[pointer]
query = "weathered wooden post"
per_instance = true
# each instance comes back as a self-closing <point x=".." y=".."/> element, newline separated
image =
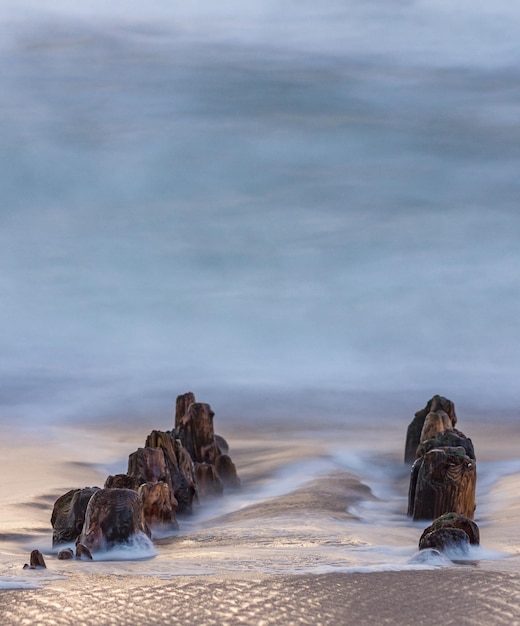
<point x="148" y="465"/>
<point x="208" y="481"/>
<point x="227" y="472"/>
<point x="413" y="434"/>
<point x="113" y="516"/>
<point x="182" y="404"/>
<point x="195" y="430"/>
<point x="213" y="470"/>
<point x="68" y="514"/>
<point x="158" y="504"/>
<point x="151" y="470"/>
<point x="446" y="481"/>
<point x="180" y="467"/>
<point x="454" y="521"/>
<point x="36" y="561"/>
<point x="443" y="476"/>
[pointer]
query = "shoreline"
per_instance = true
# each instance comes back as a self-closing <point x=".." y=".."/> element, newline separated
<point x="318" y="534"/>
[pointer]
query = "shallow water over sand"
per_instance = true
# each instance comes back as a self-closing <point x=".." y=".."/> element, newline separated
<point x="319" y="501"/>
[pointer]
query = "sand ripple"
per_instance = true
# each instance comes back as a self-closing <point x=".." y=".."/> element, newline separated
<point x="454" y="596"/>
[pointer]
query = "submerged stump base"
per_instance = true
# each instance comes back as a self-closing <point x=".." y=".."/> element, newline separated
<point x="446" y="540"/>
<point x="454" y="520"/>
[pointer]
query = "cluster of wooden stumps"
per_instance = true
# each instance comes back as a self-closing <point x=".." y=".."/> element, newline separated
<point x="175" y="470"/>
<point x="443" y="477"/>
<point x="178" y="468"/>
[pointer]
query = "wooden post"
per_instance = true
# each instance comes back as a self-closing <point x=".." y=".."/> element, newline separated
<point x="453" y="520"/>
<point x="446" y="539"/>
<point x="435" y="423"/>
<point x="448" y="439"/>
<point x="158" y="505"/>
<point x="182" y="405"/>
<point x="195" y="430"/>
<point x="180" y="467"/>
<point x="113" y="516"/>
<point x="227" y="472"/>
<point x="446" y="483"/>
<point x="68" y="514"/>
<point x="148" y="465"/>
<point x="122" y="481"/>
<point x="413" y="434"/>
<point x="36" y="561"/>
<point x="208" y="481"/>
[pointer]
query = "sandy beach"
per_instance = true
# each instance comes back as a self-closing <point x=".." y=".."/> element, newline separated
<point x="447" y="596"/>
<point x="317" y="534"/>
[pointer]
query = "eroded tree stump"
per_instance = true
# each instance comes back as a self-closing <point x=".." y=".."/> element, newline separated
<point x="446" y="481"/>
<point x="454" y="520"/>
<point x="154" y="466"/>
<point x="36" y="561"/>
<point x="195" y="430"/>
<point x="222" y="444"/>
<point x="158" y="505"/>
<point x="122" y="481"/>
<point x="68" y="514"/>
<point x="435" y="423"/>
<point x="113" y="517"/>
<point x="182" y="405"/>
<point x="180" y="467"/>
<point x="227" y="472"/>
<point x="65" y="554"/>
<point x="208" y="481"/>
<point x="446" y="539"/>
<point x="148" y="465"/>
<point x="448" y="439"/>
<point x="413" y="434"/>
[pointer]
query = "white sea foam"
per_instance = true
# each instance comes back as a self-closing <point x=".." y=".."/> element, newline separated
<point x="139" y="547"/>
<point x="18" y="583"/>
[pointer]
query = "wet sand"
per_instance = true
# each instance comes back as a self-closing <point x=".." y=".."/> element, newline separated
<point x="317" y="535"/>
<point x="448" y="596"/>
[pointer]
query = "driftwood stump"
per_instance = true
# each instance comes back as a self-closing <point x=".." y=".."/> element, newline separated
<point x="446" y="539"/>
<point x="83" y="553"/>
<point x="222" y="445"/>
<point x="180" y="467"/>
<point x="435" y="423"/>
<point x="413" y="434"/>
<point x="208" y="481"/>
<point x="68" y="514"/>
<point x="159" y="506"/>
<point x="36" y="561"/>
<point x="453" y="520"/>
<point x="148" y="465"/>
<point x="122" y="481"/>
<point x="151" y="466"/>
<point x="182" y="405"/>
<point x="227" y="472"/>
<point x="113" y="517"/>
<point x="445" y="482"/>
<point x="65" y="554"/>
<point x="448" y="439"/>
<point x="195" y="430"/>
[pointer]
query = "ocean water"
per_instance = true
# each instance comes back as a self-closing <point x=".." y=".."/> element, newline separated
<point x="275" y="201"/>
<point x="307" y="214"/>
